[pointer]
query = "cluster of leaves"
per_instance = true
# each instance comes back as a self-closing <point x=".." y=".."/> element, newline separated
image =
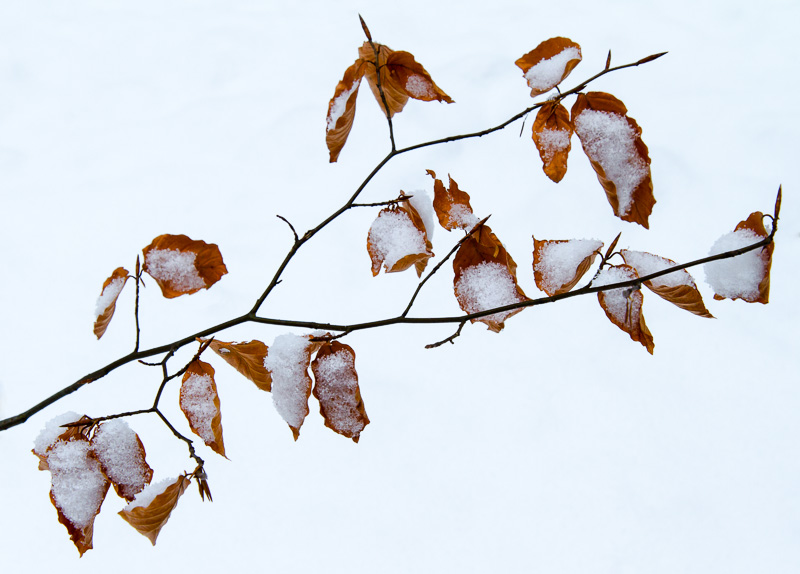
<point x="86" y="455"/>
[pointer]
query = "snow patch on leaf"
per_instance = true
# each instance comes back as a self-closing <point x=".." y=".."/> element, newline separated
<point x="176" y="267"/>
<point x="339" y="104"/>
<point x="394" y="236"/>
<point x="549" y="73"/>
<point x="79" y="485"/>
<point x="647" y="263"/>
<point x="121" y="455"/>
<point x="287" y="362"/>
<point x="485" y="286"/>
<point x="109" y="296"/>
<point x="558" y="262"/>
<point x="197" y="402"/>
<point x="740" y="276"/>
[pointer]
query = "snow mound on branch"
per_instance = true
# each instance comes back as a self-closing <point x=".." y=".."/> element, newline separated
<point x="740" y="276"/>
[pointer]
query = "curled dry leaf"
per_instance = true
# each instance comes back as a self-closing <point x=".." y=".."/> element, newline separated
<point x="623" y="306"/>
<point x="549" y="64"/>
<point x="552" y="134"/>
<point x="336" y="388"/>
<point x="485" y="278"/>
<point x="107" y="302"/>
<point x="558" y="265"/>
<point x="122" y="457"/>
<point x="151" y="509"/>
<point x="182" y="266"/>
<point x="452" y="205"/>
<point x="342" y="109"/>
<point x="619" y="157"/>
<point x="678" y="288"/>
<point x="397" y="239"/>
<point x="200" y="403"/>
<point x="287" y="363"/>
<point x="247" y="358"/>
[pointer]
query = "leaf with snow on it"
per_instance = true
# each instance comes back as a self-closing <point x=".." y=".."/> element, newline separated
<point x="107" y="301"/>
<point x="549" y="64"/>
<point x="623" y="306"/>
<point x="52" y="431"/>
<point x="336" y="388"/>
<point x="619" y="157"/>
<point x="452" y="205"/>
<point x="552" y="134"/>
<point x="247" y="358"/>
<point x="485" y="278"/>
<point x="558" y="265"/>
<point x="397" y="240"/>
<point x="182" y="266"/>
<point x="287" y="363"/>
<point x="744" y="276"/>
<point x="151" y="508"/>
<point x="678" y="287"/>
<point x="342" y="109"/>
<point x="200" y="403"/>
<point x="122" y="457"/>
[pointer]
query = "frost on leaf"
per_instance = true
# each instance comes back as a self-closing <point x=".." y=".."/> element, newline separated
<point x="619" y="157"/>
<point x="107" y="301"/>
<point x="549" y="64"/>
<point x="200" y="403"/>
<point x="397" y="240"/>
<point x="485" y="278"/>
<point x="678" y="287"/>
<point x="336" y="388"/>
<point x="342" y="109"/>
<point x="247" y="358"/>
<point x="452" y="205"/>
<point x="122" y="457"/>
<point x="624" y="306"/>
<point x="744" y="276"/>
<point x="51" y="432"/>
<point x="552" y="132"/>
<point x="558" y="265"/>
<point x="287" y="362"/>
<point x="182" y="266"/>
<point x="151" y="508"/>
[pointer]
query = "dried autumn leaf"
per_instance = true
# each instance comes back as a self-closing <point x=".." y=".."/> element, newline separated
<point x="397" y="239"/>
<point x="744" y="276"/>
<point x="122" y="457"/>
<point x="247" y="358"/>
<point x="200" y="403"/>
<point x="619" y="157"/>
<point x="678" y="288"/>
<point x="549" y="64"/>
<point x="452" y="205"/>
<point x="52" y="431"/>
<point x="342" y="109"/>
<point x="182" y="266"/>
<point x="107" y="302"/>
<point x="552" y="134"/>
<point x="336" y="388"/>
<point x="485" y="278"/>
<point x="151" y="509"/>
<point x="287" y="363"/>
<point x="624" y="306"/>
<point x="558" y="265"/>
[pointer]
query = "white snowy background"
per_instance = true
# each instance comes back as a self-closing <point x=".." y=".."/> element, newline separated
<point x="559" y="445"/>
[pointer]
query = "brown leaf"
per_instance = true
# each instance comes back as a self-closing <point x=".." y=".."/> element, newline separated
<point x="342" y="109"/>
<point x="247" y="358"/>
<point x="200" y="403"/>
<point x="549" y="64"/>
<point x="678" y="288"/>
<point x="122" y="457"/>
<point x="287" y="363"/>
<point x="452" y="205"/>
<point x="397" y="240"/>
<point x="107" y="302"/>
<point x="558" y="265"/>
<point x="150" y="515"/>
<point x="485" y="278"/>
<point x="613" y="143"/>
<point x="623" y="306"/>
<point x="336" y="388"/>
<point x="182" y="266"/>
<point x="552" y="131"/>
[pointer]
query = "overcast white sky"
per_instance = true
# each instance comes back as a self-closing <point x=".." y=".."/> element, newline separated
<point x="558" y="445"/>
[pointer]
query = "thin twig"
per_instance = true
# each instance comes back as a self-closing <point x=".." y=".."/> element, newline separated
<point x="282" y="218"/>
<point x="448" y="339"/>
<point x="136" y="304"/>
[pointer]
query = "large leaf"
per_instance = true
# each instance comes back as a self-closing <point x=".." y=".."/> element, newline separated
<point x="558" y="265"/>
<point x="552" y="133"/>
<point x="199" y="401"/>
<point x="182" y="266"/>
<point x="287" y="363"/>
<point x="623" y="306"/>
<point x="122" y="457"/>
<point x="151" y="509"/>
<point x="247" y="358"/>
<point x="549" y="63"/>
<point x="398" y="240"/>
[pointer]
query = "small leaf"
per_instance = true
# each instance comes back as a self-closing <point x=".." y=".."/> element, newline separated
<point x="247" y="358"/>
<point x="336" y="388"/>
<point x="452" y="205"/>
<point x="200" y="403"/>
<point x="182" y="266"/>
<point x="678" y="288"/>
<point x="107" y="302"/>
<point x="122" y="457"/>
<point x="397" y="240"/>
<point x="549" y="64"/>
<point x="342" y="109"/>
<point x="287" y="363"/>
<point x="558" y="265"/>
<point x="619" y="157"/>
<point x="623" y="306"/>
<point x="552" y="132"/>
<point x="151" y="509"/>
